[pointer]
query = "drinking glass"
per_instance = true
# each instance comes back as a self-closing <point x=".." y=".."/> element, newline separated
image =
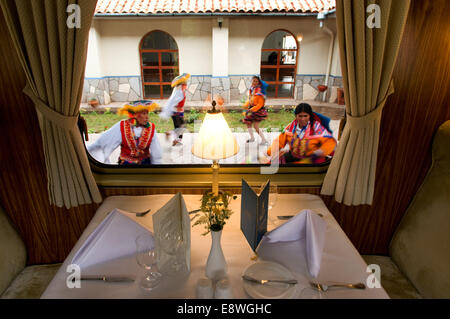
<point x="146" y="257"/>
<point x="312" y="293"/>
<point x="172" y="244"/>
<point x="273" y="194"/>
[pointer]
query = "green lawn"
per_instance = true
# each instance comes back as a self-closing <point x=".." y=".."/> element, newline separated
<point x="98" y="122"/>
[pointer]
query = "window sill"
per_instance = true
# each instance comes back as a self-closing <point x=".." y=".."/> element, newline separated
<point x="200" y="176"/>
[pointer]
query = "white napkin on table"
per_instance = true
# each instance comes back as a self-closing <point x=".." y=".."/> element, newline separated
<point x="308" y="228"/>
<point x="114" y="238"/>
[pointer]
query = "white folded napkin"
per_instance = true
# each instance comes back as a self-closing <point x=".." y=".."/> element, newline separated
<point x="309" y="229"/>
<point x="114" y="238"/>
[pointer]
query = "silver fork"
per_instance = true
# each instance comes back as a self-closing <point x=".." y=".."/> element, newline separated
<point x="322" y="287"/>
<point x="141" y="214"/>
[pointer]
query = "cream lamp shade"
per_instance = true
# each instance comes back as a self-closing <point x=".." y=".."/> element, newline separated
<point x="215" y="140"/>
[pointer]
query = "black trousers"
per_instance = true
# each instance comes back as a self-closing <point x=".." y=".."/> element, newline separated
<point x="178" y="121"/>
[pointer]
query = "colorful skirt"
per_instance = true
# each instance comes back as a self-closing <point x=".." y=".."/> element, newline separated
<point x="258" y="116"/>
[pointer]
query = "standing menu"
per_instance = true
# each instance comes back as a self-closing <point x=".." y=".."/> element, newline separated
<point x="254" y="211"/>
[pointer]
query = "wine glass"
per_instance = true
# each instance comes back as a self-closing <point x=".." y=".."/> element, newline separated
<point x="171" y="243"/>
<point x="312" y="293"/>
<point x="146" y="257"/>
<point x="273" y="196"/>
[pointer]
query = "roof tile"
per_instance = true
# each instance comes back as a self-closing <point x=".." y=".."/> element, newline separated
<point x="205" y="6"/>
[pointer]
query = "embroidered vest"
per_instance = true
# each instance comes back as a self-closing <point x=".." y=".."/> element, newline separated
<point x="135" y="150"/>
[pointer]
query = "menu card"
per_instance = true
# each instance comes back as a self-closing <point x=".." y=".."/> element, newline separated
<point x="172" y="220"/>
<point x="254" y="210"/>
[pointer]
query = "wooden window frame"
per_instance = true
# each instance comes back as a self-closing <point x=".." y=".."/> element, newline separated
<point x="159" y="67"/>
<point x="279" y="66"/>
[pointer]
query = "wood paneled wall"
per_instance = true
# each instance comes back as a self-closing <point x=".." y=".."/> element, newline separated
<point x="49" y="232"/>
<point x="411" y="117"/>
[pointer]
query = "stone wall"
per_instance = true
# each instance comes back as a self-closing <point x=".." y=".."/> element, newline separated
<point x="112" y="89"/>
<point x="232" y="88"/>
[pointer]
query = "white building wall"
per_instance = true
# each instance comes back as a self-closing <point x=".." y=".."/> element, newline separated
<point x="220" y="40"/>
<point x="93" y="62"/>
<point x="120" y="40"/>
<point x="247" y="36"/>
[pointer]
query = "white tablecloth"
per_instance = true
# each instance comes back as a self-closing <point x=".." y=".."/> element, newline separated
<point x="341" y="262"/>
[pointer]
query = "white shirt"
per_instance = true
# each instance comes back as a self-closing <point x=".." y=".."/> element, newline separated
<point x="102" y="148"/>
<point x="171" y="105"/>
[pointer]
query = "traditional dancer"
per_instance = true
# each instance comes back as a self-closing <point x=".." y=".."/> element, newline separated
<point x="305" y="140"/>
<point x="174" y="107"/>
<point x="256" y="112"/>
<point x="136" y="136"/>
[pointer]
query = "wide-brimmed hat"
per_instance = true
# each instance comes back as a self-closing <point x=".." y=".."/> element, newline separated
<point x="137" y="106"/>
<point x="182" y="78"/>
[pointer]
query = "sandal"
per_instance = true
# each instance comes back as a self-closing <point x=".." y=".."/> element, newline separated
<point x="249" y="141"/>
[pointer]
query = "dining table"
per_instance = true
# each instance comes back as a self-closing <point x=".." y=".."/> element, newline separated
<point x="340" y="261"/>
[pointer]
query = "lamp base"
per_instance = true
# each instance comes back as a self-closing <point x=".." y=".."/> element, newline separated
<point x="215" y="177"/>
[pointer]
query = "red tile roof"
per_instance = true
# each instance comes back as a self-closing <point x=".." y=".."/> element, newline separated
<point x="212" y="6"/>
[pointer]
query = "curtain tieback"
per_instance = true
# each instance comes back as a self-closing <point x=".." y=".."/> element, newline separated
<point x="63" y="121"/>
<point x="360" y="122"/>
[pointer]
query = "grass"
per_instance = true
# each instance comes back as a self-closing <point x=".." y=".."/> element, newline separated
<point x="98" y="122"/>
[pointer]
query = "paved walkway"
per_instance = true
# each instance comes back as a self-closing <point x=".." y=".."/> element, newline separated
<point x="249" y="153"/>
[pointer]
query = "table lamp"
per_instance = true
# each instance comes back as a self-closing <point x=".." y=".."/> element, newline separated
<point x="214" y="142"/>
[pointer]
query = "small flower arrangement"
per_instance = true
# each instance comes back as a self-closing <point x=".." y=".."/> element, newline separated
<point x="215" y="211"/>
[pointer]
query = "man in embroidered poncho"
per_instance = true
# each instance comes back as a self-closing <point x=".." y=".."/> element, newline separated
<point x="139" y="144"/>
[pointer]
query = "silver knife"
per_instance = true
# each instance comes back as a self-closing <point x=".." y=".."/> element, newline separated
<point x="265" y="281"/>
<point x="284" y="217"/>
<point x="108" y="278"/>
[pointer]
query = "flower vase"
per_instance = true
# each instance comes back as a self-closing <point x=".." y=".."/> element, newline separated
<point x="216" y="266"/>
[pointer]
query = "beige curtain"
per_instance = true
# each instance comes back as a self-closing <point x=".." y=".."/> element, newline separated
<point x="54" y="57"/>
<point x="368" y="57"/>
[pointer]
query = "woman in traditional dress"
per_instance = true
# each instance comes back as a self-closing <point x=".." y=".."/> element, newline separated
<point x="174" y="107"/>
<point x="304" y="141"/>
<point x="255" y="110"/>
<point x="136" y="136"/>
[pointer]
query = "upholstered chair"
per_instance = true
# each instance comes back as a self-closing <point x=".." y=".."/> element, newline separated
<point x="17" y="280"/>
<point x="419" y="261"/>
